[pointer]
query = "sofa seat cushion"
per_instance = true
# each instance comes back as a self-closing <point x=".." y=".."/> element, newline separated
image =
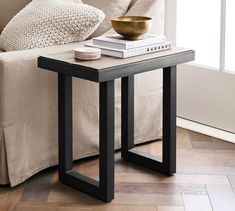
<point x="45" y="23"/>
<point x="111" y="8"/>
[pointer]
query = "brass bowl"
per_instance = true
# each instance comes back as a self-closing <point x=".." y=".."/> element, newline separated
<point x="131" y="27"/>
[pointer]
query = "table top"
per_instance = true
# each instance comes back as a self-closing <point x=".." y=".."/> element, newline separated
<point x="109" y="68"/>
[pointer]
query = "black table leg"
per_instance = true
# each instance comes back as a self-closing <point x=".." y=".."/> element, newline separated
<point x="104" y="189"/>
<point x="169" y="120"/>
<point x="166" y="164"/>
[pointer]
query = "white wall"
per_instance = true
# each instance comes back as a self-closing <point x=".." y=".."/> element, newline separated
<point x="206" y="96"/>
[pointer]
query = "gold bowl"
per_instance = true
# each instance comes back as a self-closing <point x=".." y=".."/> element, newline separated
<point x="131" y="27"/>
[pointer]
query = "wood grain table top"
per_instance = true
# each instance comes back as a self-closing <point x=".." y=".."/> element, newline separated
<point x="109" y="68"/>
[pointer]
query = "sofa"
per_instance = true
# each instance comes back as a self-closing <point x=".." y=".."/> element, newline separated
<point x="28" y="104"/>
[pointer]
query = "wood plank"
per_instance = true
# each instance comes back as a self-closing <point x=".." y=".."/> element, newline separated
<point x="177" y="178"/>
<point x="183" y="139"/>
<point x="133" y="168"/>
<point x="206" y="169"/>
<point x="232" y="182"/>
<point x="61" y="193"/>
<point x="206" y="157"/>
<point x="10" y="197"/>
<point x="37" y="188"/>
<point x="66" y="194"/>
<point x="154" y="148"/>
<point x="3" y="189"/>
<point x="209" y="167"/>
<point x="50" y="207"/>
<point x="196" y="203"/>
<point x="222" y="197"/>
<point x="170" y="208"/>
<point x="164" y="188"/>
<point x="148" y="199"/>
<point x="231" y="179"/>
<point x="201" y="141"/>
<point x="90" y="166"/>
<point x="76" y="207"/>
<point x="124" y="208"/>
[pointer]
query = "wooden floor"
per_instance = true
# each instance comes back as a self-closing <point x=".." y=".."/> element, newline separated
<point x="205" y="181"/>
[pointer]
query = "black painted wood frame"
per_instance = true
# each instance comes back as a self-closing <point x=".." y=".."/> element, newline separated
<point x="104" y="189"/>
<point x="166" y="164"/>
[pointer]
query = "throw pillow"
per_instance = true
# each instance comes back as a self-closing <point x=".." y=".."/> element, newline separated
<point x="45" y="23"/>
<point x="111" y="8"/>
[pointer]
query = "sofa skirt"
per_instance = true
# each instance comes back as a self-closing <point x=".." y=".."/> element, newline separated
<point x="31" y="145"/>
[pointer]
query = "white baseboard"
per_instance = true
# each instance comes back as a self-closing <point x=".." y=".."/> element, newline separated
<point x="207" y="130"/>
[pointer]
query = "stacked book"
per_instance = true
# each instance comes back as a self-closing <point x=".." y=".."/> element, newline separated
<point x="116" y="46"/>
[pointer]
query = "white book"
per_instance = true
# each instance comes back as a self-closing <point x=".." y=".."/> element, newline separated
<point x="133" y="52"/>
<point x="118" y="42"/>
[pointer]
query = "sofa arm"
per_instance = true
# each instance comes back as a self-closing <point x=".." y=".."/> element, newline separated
<point x="24" y="55"/>
<point x="24" y="88"/>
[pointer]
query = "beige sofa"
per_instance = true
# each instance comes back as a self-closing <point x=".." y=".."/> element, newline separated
<point x="28" y="104"/>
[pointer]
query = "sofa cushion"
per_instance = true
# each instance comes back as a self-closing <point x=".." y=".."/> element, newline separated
<point x="132" y="2"/>
<point x="8" y="9"/>
<point x="45" y="23"/>
<point x="111" y="8"/>
<point x="152" y="8"/>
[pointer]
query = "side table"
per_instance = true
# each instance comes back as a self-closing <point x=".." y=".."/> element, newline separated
<point x="104" y="72"/>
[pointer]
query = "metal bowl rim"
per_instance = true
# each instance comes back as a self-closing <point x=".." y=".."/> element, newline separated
<point x="119" y="19"/>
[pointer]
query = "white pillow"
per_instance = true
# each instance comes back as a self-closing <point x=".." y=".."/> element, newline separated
<point x="45" y="23"/>
<point x="111" y="8"/>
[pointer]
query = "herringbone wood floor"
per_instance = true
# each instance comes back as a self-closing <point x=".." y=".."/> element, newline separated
<point x="205" y="181"/>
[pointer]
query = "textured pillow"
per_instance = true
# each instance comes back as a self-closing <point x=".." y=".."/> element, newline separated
<point x="45" y="23"/>
<point x="111" y="8"/>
